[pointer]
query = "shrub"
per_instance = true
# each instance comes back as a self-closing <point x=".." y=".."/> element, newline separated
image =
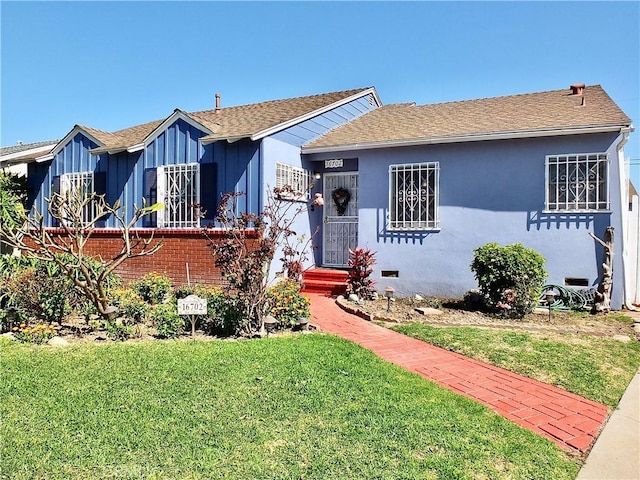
<point x="153" y="288"/>
<point x="361" y="261"/>
<point x="510" y="277"/>
<point x="286" y="304"/>
<point x="118" y="330"/>
<point x="245" y="254"/>
<point x="48" y="293"/>
<point x="38" y="334"/>
<point x="35" y="294"/>
<point x="130" y="304"/>
<point x="167" y="321"/>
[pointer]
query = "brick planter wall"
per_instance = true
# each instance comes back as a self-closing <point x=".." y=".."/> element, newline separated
<point x="179" y="248"/>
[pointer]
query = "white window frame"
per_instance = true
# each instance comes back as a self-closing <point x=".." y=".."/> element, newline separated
<point x="299" y="179"/>
<point x="178" y="212"/>
<point x="413" y="208"/>
<point x="77" y="182"/>
<point x="577" y="182"/>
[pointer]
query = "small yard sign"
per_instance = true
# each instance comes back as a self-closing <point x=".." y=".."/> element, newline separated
<point x="192" y="305"/>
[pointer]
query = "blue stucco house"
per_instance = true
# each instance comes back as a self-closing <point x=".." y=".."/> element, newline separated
<point x="422" y="186"/>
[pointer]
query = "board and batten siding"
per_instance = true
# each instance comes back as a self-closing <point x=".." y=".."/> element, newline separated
<point x="73" y="157"/>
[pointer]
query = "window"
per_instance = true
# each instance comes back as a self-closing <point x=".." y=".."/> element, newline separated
<point x="577" y="182"/>
<point x="78" y="186"/>
<point x="297" y="178"/>
<point x="178" y="189"/>
<point x="413" y="196"/>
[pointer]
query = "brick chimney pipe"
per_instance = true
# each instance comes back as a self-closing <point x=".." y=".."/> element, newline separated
<point x="217" y="102"/>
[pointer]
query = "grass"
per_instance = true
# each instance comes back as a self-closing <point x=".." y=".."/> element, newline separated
<point x="596" y="368"/>
<point x="306" y="406"/>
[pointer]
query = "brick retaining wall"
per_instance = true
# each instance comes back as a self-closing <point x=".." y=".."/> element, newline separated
<point x="179" y="248"/>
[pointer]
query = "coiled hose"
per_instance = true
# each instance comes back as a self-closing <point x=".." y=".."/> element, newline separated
<point x="567" y="299"/>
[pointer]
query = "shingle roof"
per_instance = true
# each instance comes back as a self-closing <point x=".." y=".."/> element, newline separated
<point x="248" y="120"/>
<point x="533" y="112"/>
<point x="230" y="122"/>
<point x="21" y="147"/>
<point x="25" y="152"/>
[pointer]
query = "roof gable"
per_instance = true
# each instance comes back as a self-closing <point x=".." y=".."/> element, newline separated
<point x="259" y="120"/>
<point x="253" y="121"/>
<point x="96" y="136"/>
<point x="554" y="112"/>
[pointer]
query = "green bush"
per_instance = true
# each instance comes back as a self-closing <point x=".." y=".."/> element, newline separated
<point x="154" y="288"/>
<point x="286" y="304"/>
<point x="118" y="330"/>
<point x="35" y="294"/>
<point x="510" y="277"/>
<point x="167" y="321"/>
<point x="38" y="334"/>
<point x="130" y="304"/>
<point x="49" y="294"/>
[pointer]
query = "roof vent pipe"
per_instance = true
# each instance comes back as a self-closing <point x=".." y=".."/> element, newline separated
<point x="217" y="102"/>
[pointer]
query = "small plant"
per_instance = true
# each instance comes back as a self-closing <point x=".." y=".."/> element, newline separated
<point x="286" y="304"/>
<point x="361" y="261"/>
<point x="118" y="330"/>
<point x="153" y="288"/>
<point x="510" y="278"/>
<point x="130" y="304"/>
<point x="167" y="321"/>
<point x="36" y="294"/>
<point x="38" y="334"/>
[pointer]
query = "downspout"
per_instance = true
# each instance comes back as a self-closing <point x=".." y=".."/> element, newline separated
<point x="624" y="217"/>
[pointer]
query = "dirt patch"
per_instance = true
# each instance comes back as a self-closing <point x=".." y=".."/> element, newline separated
<point x="452" y="312"/>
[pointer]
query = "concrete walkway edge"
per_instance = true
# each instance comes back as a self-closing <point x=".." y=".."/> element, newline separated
<point x="616" y="453"/>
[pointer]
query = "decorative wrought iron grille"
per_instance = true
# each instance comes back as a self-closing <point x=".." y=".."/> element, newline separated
<point x="297" y="178"/>
<point x="76" y="187"/>
<point x="577" y="182"/>
<point x="413" y="196"/>
<point x="179" y="190"/>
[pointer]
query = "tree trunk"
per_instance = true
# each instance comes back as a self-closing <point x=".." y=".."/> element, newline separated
<point x="602" y="301"/>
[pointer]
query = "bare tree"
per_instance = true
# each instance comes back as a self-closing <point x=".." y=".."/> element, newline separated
<point x="602" y="303"/>
<point x="78" y="216"/>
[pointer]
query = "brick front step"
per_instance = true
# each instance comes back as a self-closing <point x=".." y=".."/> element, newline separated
<point x="324" y="280"/>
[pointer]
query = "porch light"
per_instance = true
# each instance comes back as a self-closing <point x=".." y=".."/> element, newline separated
<point x="317" y="175"/>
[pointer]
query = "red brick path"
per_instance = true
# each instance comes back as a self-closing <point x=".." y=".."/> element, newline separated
<point x="572" y="422"/>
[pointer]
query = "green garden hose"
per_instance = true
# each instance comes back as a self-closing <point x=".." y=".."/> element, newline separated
<point x="567" y="299"/>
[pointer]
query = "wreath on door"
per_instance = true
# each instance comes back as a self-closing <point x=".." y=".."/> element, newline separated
<point x="341" y="197"/>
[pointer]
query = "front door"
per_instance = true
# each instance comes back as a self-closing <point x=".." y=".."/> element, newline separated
<point x="340" y="232"/>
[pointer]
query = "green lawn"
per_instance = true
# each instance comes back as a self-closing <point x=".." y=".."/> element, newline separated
<point x="596" y="368"/>
<point x="305" y="406"/>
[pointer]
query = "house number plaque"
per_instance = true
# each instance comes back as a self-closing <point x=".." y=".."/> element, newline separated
<point x="335" y="163"/>
<point x="192" y="305"/>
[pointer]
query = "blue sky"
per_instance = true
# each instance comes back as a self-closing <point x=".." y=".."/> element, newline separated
<point x="110" y="65"/>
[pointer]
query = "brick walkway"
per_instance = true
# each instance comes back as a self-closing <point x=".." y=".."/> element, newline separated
<point x="572" y="422"/>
